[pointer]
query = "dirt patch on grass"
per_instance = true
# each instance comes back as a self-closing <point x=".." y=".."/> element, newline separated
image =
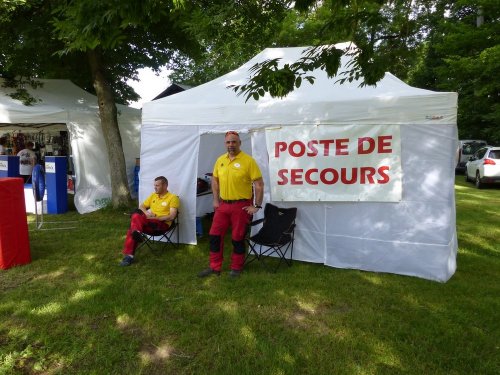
<point x="7" y="283"/>
<point x="319" y="320"/>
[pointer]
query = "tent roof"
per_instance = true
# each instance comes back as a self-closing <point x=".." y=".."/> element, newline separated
<point x="58" y="98"/>
<point x="325" y="102"/>
<point x="174" y="88"/>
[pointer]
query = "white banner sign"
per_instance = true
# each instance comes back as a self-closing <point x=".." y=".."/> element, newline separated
<point x="4" y="165"/>
<point x="335" y="163"/>
<point x="50" y="167"/>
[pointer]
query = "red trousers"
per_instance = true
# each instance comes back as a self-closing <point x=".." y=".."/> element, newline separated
<point x="139" y="221"/>
<point x="226" y="215"/>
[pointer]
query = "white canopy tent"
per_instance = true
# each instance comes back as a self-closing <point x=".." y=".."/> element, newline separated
<point x="64" y="106"/>
<point x="182" y="135"/>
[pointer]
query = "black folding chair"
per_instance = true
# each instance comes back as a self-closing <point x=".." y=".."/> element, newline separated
<point x="275" y="237"/>
<point x="161" y="238"/>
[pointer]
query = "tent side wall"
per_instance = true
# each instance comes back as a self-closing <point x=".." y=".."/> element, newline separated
<point x="417" y="236"/>
<point x="93" y="182"/>
<point x="172" y="152"/>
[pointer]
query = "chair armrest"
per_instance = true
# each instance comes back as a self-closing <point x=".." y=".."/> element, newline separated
<point x="255" y="222"/>
<point x="290" y="230"/>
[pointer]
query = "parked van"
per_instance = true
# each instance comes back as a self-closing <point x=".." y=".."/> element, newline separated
<point x="467" y="148"/>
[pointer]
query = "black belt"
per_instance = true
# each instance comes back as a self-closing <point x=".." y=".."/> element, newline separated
<point x="234" y="201"/>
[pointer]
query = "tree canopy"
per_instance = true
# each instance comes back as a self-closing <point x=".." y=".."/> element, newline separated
<point x="98" y="45"/>
<point x="230" y="33"/>
<point x="433" y="44"/>
<point x="386" y="33"/>
<point x="462" y="54"/>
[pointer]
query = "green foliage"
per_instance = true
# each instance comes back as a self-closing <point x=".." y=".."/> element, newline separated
<point x="87" y="24"/>
<point x="387" y="35"/>
<point x="464" y="57"/>
<point x="28" y="47"/>
<point x="268" y="77"/>
<point x="21" y="93"/>
<point x="7" y="7"/>
<point x="433" y="43"/>
<point x="132" y="35"/>
<point x="230" y="33"/>
<point x="103" y="43"/>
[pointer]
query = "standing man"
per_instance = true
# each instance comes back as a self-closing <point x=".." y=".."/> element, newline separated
<point x="27" y="159"/>
<point x="3" y="142"/>
<point x="156" y="213"/>
<point x="235" y="174"/>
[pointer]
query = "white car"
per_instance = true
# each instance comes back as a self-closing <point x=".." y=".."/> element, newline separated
<point x="467" y="148"/>
<point x="484" y="166"/>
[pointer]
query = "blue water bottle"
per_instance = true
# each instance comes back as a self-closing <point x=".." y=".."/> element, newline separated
<point x="136" y="174"/>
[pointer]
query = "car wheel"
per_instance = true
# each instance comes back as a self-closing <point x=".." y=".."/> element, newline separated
<point x="479" y="184"/>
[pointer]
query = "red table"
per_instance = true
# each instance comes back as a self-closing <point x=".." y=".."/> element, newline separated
<point x="14" y="239"/>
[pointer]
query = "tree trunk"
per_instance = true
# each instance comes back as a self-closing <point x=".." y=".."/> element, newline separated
<point x="109" y="122"/>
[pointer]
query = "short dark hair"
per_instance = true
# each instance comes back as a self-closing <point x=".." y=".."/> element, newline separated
<point x="30" y="144"/>
<point x="232" y="132"/>
<point x="162" y="179"/>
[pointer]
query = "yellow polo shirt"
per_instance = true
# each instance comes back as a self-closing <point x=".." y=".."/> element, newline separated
<point x="236" y="176"/>
<point x="161" y="206"/>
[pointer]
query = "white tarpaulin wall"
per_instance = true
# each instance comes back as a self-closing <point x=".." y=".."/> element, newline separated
<point x="64" y="105"/>
<point x="415" y="236"/>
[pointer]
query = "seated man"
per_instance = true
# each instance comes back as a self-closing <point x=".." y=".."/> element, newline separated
<point x="155" y="213"/>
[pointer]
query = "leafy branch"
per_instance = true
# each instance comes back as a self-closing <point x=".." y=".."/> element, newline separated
<point x="21" y="92"/>
<point x="268" y="76"/>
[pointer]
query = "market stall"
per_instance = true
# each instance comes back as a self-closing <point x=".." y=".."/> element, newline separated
<point x="64" y="121"/>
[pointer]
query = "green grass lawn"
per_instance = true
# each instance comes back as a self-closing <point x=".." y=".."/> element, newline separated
<point x="74" y="311"/>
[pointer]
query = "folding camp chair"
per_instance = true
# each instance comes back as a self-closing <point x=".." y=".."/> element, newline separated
<point x="161" y="238"/>
<point x="275" y="237"/>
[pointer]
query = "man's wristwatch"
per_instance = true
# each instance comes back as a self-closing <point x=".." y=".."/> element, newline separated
<point x="257" y="206"/>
